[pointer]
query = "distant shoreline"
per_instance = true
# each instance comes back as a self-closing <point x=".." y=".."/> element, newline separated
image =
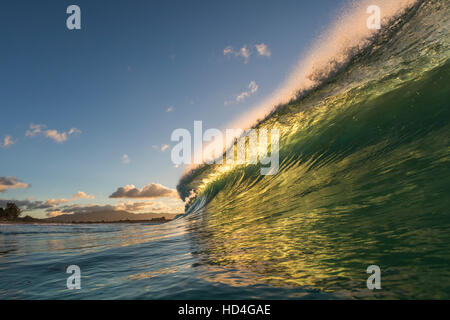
<point x="40" y="221"/>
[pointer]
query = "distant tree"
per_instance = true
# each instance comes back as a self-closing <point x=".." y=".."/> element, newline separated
<point x="12" y="211"/>
<point x="2" y="213"/>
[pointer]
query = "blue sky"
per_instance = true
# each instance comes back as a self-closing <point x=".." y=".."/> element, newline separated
<point x="115" y="79"/>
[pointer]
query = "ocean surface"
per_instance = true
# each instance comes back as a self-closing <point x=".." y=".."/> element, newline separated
<point x="363" y="180"/>
<point x="122" y="261"/>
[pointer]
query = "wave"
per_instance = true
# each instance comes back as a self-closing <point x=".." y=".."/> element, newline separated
<point x="363" y="177"/>
<point x="351" y="57"/>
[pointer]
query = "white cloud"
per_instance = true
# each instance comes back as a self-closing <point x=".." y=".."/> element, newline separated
<point x="245" y="52"/>
<point x="252" y="89"/>
<point x="7" y="141"/>
<point x="7" y="183"/>
<point x="152" y="190"/>
<point x="228" y="50"/>
<point x="82" y="195"/>
<point x="170" y="109"/>
<point x="126" y="159"/>
<point x="34" y="130"/>
<point x="55" y="135"/>
<point x="164" y="147"/>
<point x="74" y="131"/>
<point x="56" y="202"/>
<point x="263" y="50"/>
<point x="37" y="129"/>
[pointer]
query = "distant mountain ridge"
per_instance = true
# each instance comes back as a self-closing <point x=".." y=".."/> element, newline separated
<point x="108" y="216"/>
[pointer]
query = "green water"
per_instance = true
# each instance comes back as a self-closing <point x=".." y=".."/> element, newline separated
<point x="363" y="179"/>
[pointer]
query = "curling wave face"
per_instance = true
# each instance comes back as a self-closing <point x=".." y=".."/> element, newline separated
<point x="363" y="178"/>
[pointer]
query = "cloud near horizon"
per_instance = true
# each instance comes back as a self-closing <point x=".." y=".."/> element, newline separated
<point x="38" y="129"/>
<point x="53" y="207"/>
<point x="53" y="214"/>
<point x="50" y="205"/>
<point x="79" y="195"/>
<point x="74" y="209"/>
<point x="132" y="207"/>
<point x="145" y="206"/>
<point x="57" y="207"/>
<point x="27" y="205"/>
<point x="56" y="202"/>
<point x="150" y="191"/>
<point x="7" y="183"/>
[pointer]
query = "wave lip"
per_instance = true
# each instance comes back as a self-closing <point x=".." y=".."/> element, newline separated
<point x="334" y="49"/>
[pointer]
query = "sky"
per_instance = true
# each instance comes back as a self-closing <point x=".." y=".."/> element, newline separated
<point x="87" y="115"/>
